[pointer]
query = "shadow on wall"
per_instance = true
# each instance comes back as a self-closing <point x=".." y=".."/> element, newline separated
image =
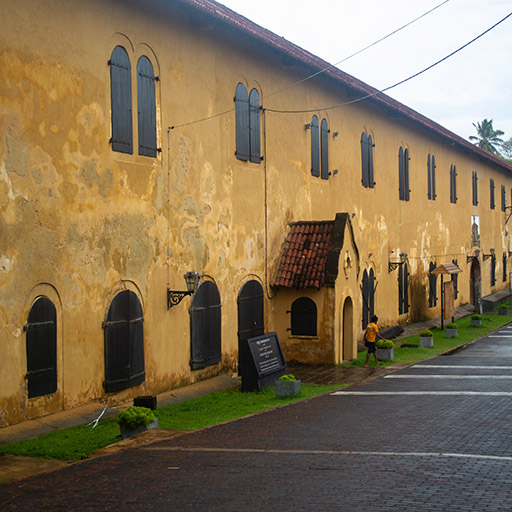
<point x="418" y="293"/>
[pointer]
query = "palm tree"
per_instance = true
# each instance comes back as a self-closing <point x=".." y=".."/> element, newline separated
<point x="488" y="138"/>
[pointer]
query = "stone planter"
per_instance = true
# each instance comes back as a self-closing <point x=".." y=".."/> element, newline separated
<point x="287" y="388"/>
<point x="128" y="432"/>
<point x="476" y="322"/>
<point x="385" y="354"/>
<point x="450" y="333"/>
<point x="427" y="341"/>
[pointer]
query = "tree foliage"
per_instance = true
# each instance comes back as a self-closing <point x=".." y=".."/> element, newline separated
<point x="487" y="137"/>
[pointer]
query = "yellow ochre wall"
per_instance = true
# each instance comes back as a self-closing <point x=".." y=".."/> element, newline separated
<point x="80" y="222"/>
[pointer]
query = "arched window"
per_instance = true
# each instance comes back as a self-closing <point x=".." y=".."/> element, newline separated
<point x="367" y="161"/>
<point x="368" y="291"/>
<point x="205" y="326"/>
<point x="41" y="346"/>
<point x="324" y="155"/>
<point x="403" y="289"/>
<point x="146" y="107"/>
<point x="304" y="317"/>
<point x="431" y="176"/>
<point x="315" y="147"/>
<point x="124" y="343"/>
<point x="247" y="114"/>
<point x="432" y="289"/>
<point x="403" y="174"/>
<point x="453" y="184"/>
<point x="121" y="100"/>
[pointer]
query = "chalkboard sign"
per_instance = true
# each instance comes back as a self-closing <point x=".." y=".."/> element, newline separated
<point x="267" y="354"/>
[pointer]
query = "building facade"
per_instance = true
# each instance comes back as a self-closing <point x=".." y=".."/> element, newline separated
<point x="140" y="141"/>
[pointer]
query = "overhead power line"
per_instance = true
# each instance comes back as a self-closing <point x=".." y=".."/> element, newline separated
<point x="318" y="72"/>
<point x="391" y="86"/>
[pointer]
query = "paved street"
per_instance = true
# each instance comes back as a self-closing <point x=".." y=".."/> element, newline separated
<point x="434" y="436"/>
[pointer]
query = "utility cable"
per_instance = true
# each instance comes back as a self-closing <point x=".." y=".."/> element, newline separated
<point x="331" y="107"/>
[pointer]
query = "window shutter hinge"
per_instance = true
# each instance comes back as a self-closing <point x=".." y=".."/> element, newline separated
<point x="157" y="79"/>
<point x="109" y="62"/>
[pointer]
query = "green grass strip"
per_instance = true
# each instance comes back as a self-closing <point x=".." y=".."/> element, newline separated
<point x="76" y="443"/>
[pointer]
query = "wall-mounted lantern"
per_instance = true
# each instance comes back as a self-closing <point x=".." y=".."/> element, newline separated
<point x="393" y="265"/>
<point x="175" y="297"/>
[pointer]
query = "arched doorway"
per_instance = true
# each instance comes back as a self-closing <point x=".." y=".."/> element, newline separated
<point x="347" y="342"/>
<point x="250" y="316"/>
<point x="475" y="285"/>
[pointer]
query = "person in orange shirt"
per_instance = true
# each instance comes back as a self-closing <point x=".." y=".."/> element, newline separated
<point x="370" y="338"/>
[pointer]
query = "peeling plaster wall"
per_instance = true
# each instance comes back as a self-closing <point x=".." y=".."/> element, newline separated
<point x="80" y="222"/>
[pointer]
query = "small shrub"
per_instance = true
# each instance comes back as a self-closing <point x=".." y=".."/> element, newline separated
<point x="476" y="316"/>
<point x="452" y="325"/>
<point x="385" y="344"/>
<point x="135" y="416"/>
<point x="426" y="333"/>
<point x="503" y="306"/>
<point x="286" y="378"/>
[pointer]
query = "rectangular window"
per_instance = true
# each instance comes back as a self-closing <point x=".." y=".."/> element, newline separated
<point x="493" y="205"/>
<point x="503" y="198"/>
<point x="367" y="161"/>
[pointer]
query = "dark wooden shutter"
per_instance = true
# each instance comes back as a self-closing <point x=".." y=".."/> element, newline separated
<point x="406" y="175"/>
<point x="406" y="288"/>
<point x="504" y="266"/>
<point x="365" y="290"/>
<point x="41" y="347"/>
<point x="503" y="199"/>
<point x="453" y="184"/>
<point x="371" y="289"/>
<point x="403" y="289"/>
<point x="315" y="147"/>
<point x="371" y="181"/>
<point x="433" y="171"/>
<point x="364" y="161"/>
<point x="401" y="174"/>
<point x="124" y="343"/>
<point x="146" y="107"/>
<point x="432" y="289"/>
<point x="475" y="188"/>
<point x="121" y="100"/>
<point x="493" y="270"/>
<point x="254" y="127"/>
<point x="492" y="194"/>
<point x="455" y="279"/>
<point x="205" y="326"/>
<point x="304" y="317"/>
<point x="429" y="178"/>
<point x="324" y="139"/>
<point x="242" y="122"/>
<point x="250" y="319"/>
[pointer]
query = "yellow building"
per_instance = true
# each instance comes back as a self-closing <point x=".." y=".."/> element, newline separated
<point x="140" y="141"/>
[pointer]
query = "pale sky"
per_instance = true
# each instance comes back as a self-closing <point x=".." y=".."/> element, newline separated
<point x="474" y="84"/>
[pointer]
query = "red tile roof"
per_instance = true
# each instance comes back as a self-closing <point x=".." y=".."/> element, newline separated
<point x="304" y="255"/>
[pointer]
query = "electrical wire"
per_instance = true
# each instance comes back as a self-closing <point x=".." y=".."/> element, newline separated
<point x="331" y="66"/>
<point x="339" y="105"/>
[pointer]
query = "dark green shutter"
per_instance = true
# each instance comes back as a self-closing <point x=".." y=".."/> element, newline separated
<point x="254" y="127"/>
<point x="324" y="143"/>
<point x="121" y="100"/>
<point x="146" y="107"/>
<point x="242" y="122"/>
<point x="315" y="147"/>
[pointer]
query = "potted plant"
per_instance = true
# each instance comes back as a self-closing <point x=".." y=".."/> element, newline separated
<point x="426" y="338"/>
<point x="450" y="331"/>
<point x="476" y="320"/>
<point x="135" y="420"/>
<point x="287" y="385"/>
<point x="385" y="350"/>
<point x="503" y="309"/>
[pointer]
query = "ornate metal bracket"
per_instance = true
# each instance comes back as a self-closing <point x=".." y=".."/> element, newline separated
<point x="470" y="259"/>
<point x="393" y="265"/>
<point x="486" y="257"/>
<point x="175" y="297"/>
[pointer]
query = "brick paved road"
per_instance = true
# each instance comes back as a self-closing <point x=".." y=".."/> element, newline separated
<point x="432" y="437"/>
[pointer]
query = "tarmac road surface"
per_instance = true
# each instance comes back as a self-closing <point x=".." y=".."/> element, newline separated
<point x="435" y="436"/>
